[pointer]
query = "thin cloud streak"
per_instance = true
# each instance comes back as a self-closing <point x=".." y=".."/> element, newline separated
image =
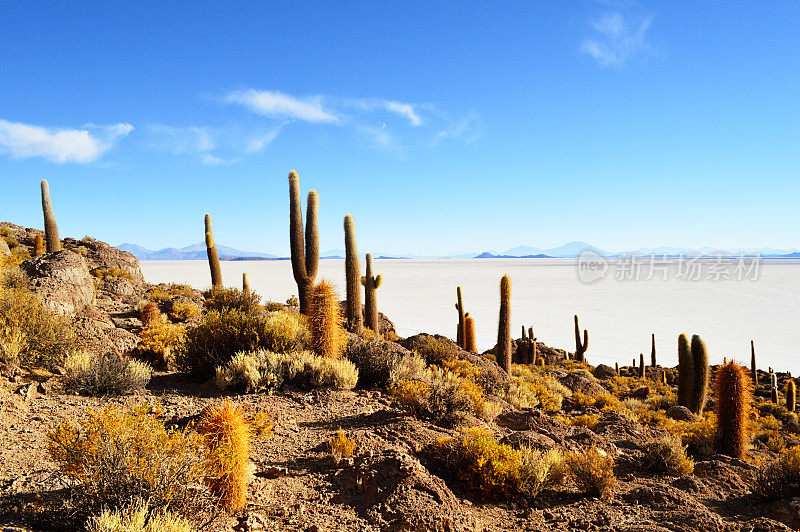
<point x="617" y="42"/>
<point x="277" y="104"/>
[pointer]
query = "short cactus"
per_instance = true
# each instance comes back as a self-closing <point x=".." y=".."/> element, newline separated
<point x="325" y="321"/>
<point x="353" y="313"/>
<point x="38" y="245"/>
<point x="580" y="347"/>
<point x="305" y="252"/>
<point x="50" y="226"/>
<point x="685" y="371"/>
<point x="371" y="284"/>
<point x="469" y="333"/>
<point x="460" y="339"/>
<point x="503" y="349"/>
<point x="213" y="256"/>
<point x="773" y="394"/>
<point x="791" y="395"/>
<point x="245" y="284"/>
<point x="540" y="362"/>
<point x="700" y="375"/>
<point x="733" y="389"/>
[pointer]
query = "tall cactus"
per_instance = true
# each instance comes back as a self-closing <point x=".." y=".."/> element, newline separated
<point x="533" y="353"/>
<point x="213" y="256"/>
<point x="460" y="338"/>
<point x="733" y="404"/>
<point x="641" y="365"/>
<point x="685" y="371"/>
<point x="753" y="369"/>
<point x="700" y="379"/>
<point x="50" y="226"/>
<point x="503" y="353"/>
<point x="580" y="348"/>
<point x="469" y="333"/>
<point x="791" y="395"/>
<point x="305" y="253"/>
<point x="653" y="350"/>
<point x="353" y="315"/>
<point x="371" y="284"/>
<point x="245" y="284"/>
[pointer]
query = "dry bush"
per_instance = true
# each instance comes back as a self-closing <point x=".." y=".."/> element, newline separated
<point x="184" y="311"/>
<point x="540" y="470"/>
<point x="590" y="421"/>
<point x="668" y="456"/>
<point x="772" y="479"/>
<point x="773" y="440"/>
<point x="778" y="411"/>
<point x="340" y="446"/>
<point x="223" y="299"/>
<point x="376" y="360"/>
<point x="408" y="367"/>
<point x="161" y="342"/>
<point x="434" y="349"/>
<point x="30" y="335"/>
<point x="114" y="457"/>
<point x="284" y="332"/>
<point x="110" y="274"/>
<point x="149" y="313"/>
<point x="699" y="436"/>
<point x="264" y="370"/>
<point x="137" y="517"/>
<point x="593" y="471"/>
<point x="105" y="374"/>
<point x="530" y="388"/>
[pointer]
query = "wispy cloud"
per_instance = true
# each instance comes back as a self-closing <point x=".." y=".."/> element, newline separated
<point x="279" y="105"/>
<point x="616" y="41"/>
<point x="469" y="129"/>
<point x="380" y="137"/>
<point x="410" y="111"/>
<point x="60" y="145"/>
<point x="210" y="145"/>
<point x="182" y="140"/>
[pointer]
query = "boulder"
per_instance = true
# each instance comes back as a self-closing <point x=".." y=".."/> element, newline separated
<point x="582" y="381"/>
<point x="529" y="439"/>
<point x="604" y="372"/>
<point x="62" y="281"/>
<point x="681" y="413"/>
<point x="4" y="251"/>
<point x="100" y="255"/>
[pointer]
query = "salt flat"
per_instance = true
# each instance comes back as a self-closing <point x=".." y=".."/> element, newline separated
<point x="419" y="296"/>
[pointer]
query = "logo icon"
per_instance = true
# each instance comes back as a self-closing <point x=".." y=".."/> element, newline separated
<point x="591" y="266"/>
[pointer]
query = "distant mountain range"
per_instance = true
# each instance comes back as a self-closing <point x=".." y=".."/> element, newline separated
<point x="568" y="250"/>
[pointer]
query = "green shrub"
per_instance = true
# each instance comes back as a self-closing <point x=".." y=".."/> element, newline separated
<point x="105" y="374"/>
<point x="285" y="331"/>
<point x="231" y="299"/>
<point x="667" y="455"/>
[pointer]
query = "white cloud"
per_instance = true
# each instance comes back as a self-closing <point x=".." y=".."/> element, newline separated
<point x="59" y="145"/>
<point x="616" y="42"/>
<point x="380" y="137"/>
<point x="182" y="140"/>
<point x="469" y="129"/>
<point x="260" y="141"/>
<point x="277" y="104"/>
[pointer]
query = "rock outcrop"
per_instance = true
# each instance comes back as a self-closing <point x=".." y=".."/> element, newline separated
<point x="62" y="281"/>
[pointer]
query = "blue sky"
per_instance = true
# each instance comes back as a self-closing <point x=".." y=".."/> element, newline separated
<point x="441" y="126"/>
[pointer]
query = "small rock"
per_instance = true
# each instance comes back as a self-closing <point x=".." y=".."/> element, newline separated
<point x="681" y="413"/>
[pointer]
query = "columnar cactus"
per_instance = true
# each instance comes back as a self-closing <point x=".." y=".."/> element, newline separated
<point x="580" y="348"/>
<point x="469" y="333"/>
<point x="616" y="368"/>
<point x="641" y="365"/>
<point x="685" y="371"/>
<point x="213" y="256"/>
<point x="773" y="394"/>
<point x="325" y="321"/>
<point x="50" y="227"/>
<point x="245" y="284"/>
<point x="700" y="375"/>
<point x="371" y="284"/>
<point x="791" y="395"/>
<point x="541" y="362"/>
<point x="503" y="353"/>
<point x="653" y="350"/>
<point x="533" y="350"/>
<point x="753" y="369"/>
<point x="355" y="322"/>
<point x="38" y="245"/>
<point x="305" y="253"/>
<point x="460" y="338"/>
<point x="733" y="388"/>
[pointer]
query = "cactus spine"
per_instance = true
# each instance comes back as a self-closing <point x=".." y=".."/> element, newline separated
<point x="213" y="256"/>
<point x="460" y="339"/>
<point x="641" y="365"/>
<point x="580" y="348"/>
<point x="305" y="253"/>
<point x="653" y="350"/>
<point x="38" y="245"/>
<point x="355" y="323"/>
<point x="50" y="226"/>
<point x="227" y="464"/>
<point x="503" y="353"/>
<point x="733" y="404"/>
<point x="245" y="284"/>
<point x="469" y="333"/>
<point x="685" y="370"/>
<point x="371" y="284"/>
<point x="700" y="379"/>
<point x="753" y="369"/>
<point x="791" y="395"/>
<point x="325" y="321"/>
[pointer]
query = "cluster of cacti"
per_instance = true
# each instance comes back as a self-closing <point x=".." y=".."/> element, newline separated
<point x="503" y="349"/>
<point x="325" y="321"/>
<point x="353" y="313"/>
<point x="580" y="347"/>
<point x="305" y="251"/>
<point x="371" y="284"/>
<point x="692" y="373"/>
<point x="733" y="388"/>
<point x="50" y="227"/>
<point x="213" y="256"/>
<point x="38" y="245"/>
<point x="245" y="284"/>
<point x="653" y="350"/>
<point x="469" y="334"/>
<point x="460" y="338"/>
<point x="227" y="464"/>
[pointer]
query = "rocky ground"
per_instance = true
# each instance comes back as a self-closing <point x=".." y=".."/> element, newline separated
<point x="392" y="482"/>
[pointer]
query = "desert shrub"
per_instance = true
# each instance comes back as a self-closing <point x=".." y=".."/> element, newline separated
<point x="409" y="367"/>
<point x="264" y="370"/>
<point x="284" y="332"/>
<point x="778" y="411"/>
<point x="30" y="334"/>
<point x="110" y="274"/>
<point x="699" y="436"/>
<point x="108" y="374"/>
<point x="231" y="299"/>
<point x="340" y="446"/>
<point x="769" y="422"/>
<point x="115" y="457"/>
<point x="137" y="517"/>
<point x="435" y="349"/>
<point x="530" y="389"/>
<point x="593" y="471"/>
<point x="149" y="313"/>
<point x="375" y="359"/>
<point x="183" y="311"/>
<point x="773" y="440"/>
<point x="589" y="421"/>
<point x="603" y="401"/>
<point x="497" y="470"/>
<point x="667" y="455"/>
<point x="774" y="477"/>
<point x="161" y="342"/>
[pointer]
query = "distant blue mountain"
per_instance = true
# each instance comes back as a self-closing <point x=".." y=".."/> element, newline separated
<point x="193" y="252"/>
